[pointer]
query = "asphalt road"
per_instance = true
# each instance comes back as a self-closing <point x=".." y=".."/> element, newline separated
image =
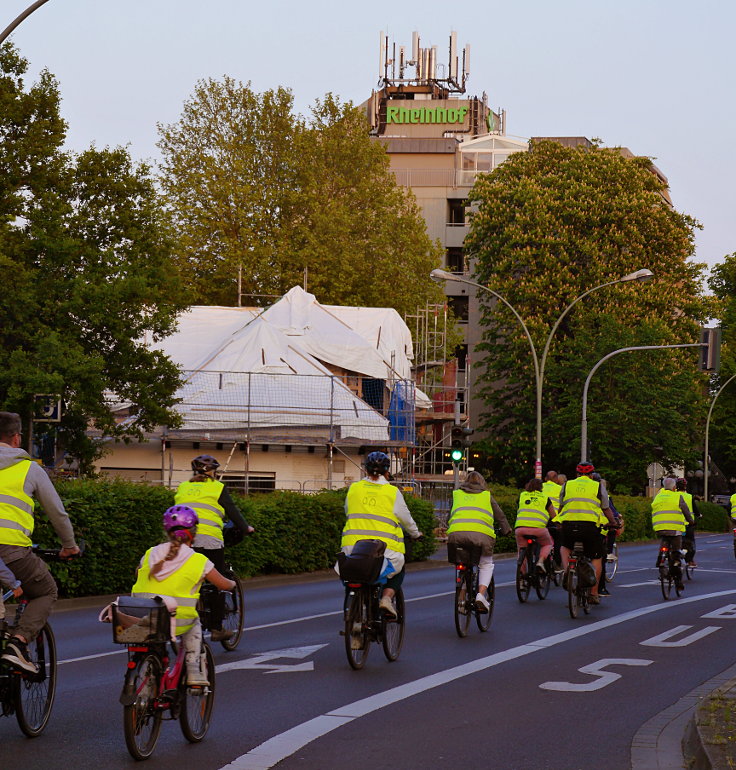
<point x="538" y="690"/>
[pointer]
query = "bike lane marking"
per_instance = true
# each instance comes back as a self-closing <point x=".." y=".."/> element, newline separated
<point x="283" y="745"/>
<point x="603" y="679"/>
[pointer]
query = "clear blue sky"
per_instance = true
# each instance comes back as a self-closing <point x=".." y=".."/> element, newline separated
<point x="656" y="76"/>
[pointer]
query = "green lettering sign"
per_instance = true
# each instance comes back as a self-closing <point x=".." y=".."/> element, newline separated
<point x="396" y="114"/>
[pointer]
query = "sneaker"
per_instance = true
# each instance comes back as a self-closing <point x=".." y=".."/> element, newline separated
<point x="481" y="603"/>
<point x="387" y="605"/>
<point x="603" y="592"/>
<point x="16" y="654"/>
<point x="195" y="678"/>
<point x="221" y="635"/>
<point x="356" y="641"/>
<point x="540" y="567"/>
<point x="461" y="608"/>
<point x="691" y="564"/>
<point x="593" y="599"/>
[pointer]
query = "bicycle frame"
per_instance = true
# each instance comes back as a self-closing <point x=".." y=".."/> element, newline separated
<point x="170" y="678"/>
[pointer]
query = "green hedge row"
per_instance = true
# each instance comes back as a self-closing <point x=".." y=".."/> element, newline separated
<point x="120" y="520"/>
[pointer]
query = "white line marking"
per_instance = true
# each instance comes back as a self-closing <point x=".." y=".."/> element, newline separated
<point x="636" y="585"/>
<point x="661" y="639"/>
<point x="272" y="751"/>
<point x="91" y="657"/>
<point x="596" y="669"/>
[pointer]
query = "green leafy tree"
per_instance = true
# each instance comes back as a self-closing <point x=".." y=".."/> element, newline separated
<point x="551" y="224"/>
<point x="252" y="186"/>
<point x="84" y="248"/>
<point x="722" y="437"/>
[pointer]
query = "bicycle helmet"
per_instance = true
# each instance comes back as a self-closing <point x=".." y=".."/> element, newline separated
<point x="204" y="464"/>
<point x="180" y="517"/>
<point x="681" y="484"/>
<point x="585" y="468"/>
<point x="377" y="463"/>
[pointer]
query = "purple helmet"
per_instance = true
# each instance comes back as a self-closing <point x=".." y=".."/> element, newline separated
<point x="180" y="517"/>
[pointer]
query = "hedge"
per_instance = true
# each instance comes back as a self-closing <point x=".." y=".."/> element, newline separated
<point x="120" y="520"/>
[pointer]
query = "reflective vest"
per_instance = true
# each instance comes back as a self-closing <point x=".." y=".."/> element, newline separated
<point x="552" y="490"/>
<point x="688" y="498"/>
<point x="666" y="513"/>
<point x="370" y="514"/>
<point x="16" y="507"/>
<point x="581" y="501"/>
<point x="532" y="510"/>
<point x="733" y="506"/>
<point x="202" y="497"/>
<point x="471" y="512"/>
<point x="182" y="586"/>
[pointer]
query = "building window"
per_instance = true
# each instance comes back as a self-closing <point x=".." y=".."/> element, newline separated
<point x="456" y="211"/>
<point x="455" y="259"/>
<point x="257" y="482"/>
<point x="459" y="306"/>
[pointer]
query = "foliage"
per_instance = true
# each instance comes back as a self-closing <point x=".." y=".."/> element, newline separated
<point x="722" y="436"/>
<point x="84" y="246"/>
<point x="290" y="200"/>
<point x="550" y="225"/>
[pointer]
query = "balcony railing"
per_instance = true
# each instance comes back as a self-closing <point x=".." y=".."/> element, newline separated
<point x="434" y="177"/>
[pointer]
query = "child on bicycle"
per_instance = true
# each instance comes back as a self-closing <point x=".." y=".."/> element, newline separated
<point x="173" y="571"/>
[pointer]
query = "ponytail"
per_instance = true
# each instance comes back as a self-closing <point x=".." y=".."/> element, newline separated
<point x="175" y="543"/>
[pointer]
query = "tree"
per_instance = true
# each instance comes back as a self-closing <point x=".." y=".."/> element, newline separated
<point x="84" y="249"/>
<point x="722" y="438"/>
<point x="551" y="224"/>
<point x="252" y="186"/>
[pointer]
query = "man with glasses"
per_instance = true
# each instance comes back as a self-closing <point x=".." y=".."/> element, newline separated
<point x="21" y="480"/>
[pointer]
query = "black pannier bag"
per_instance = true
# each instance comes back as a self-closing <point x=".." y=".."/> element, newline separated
<point x="364" y="564"/>
<point x="468" y="554"/>
<point x="586" y="570"/>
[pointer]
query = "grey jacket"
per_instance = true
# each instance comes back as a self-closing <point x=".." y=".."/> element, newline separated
<point x="38" y="485"/>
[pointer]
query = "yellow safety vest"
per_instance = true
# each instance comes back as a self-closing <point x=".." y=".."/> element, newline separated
<point x="202" y="497"/>
<point x="16" y="507"/>
<point x="666" y="513"/>
<point x="182" y="586"/>
<point x="532" y="510"/>
<point x="471" y="512"/>
<point x="370" y="514"/>
<point x="733" y="506"/>
<point x="688" y="498"/>
<point x="552" y="490"/>
<point x="581" y="501"/>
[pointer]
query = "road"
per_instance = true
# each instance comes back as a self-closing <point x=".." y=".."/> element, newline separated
<point x="538" y="690"/>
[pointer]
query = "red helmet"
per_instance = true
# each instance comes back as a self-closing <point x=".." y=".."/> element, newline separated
<point x="585" y="468"/>
<point x="681" y="484"/>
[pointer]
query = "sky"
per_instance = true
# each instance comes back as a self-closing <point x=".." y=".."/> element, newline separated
<point x="656" y="76"/>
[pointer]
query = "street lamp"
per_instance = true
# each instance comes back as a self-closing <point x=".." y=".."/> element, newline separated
<point x="707" y="429"/>
<point x="639" y="275"/>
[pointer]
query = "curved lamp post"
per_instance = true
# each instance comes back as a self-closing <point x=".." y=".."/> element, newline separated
<point x="638" y="275"/>
<point x="13" y="24"/>
<point x="707" y="429"/>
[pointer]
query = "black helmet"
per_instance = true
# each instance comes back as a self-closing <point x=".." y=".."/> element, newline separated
<point x="204" y="464"/>
<point x="377" y="463"/>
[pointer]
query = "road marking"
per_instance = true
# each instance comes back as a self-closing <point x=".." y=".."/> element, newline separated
<point x="277" y="748"/>
<point x="636" y="585"/>
<point x="661" y="639"/>
<point x="596" y="669"/>
<point x="262" y="661"/>
<point x="91" y="657"/>
<point x="727" y="612"/>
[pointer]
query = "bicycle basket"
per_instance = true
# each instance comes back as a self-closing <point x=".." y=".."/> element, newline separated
<point x="586" y="570"/>
<point x="364" y="563"/>
<point x="136" y="620"/>
<point x="467" y="554"/>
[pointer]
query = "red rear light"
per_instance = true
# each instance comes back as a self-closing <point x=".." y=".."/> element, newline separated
<point x="354" y="585"/>
<point x="461" y="568"/>
<point x="664" y="549"/>
<point x="530" y="540"/>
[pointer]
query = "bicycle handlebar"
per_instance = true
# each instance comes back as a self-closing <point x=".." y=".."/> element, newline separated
<point x="50" y="554"/>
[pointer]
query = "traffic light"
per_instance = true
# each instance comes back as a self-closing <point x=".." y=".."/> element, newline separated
<point x="460" y="439"/>
<point x="709" y="359"/>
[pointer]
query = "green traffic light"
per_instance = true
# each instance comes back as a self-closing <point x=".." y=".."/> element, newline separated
<point x="456" y="455"/>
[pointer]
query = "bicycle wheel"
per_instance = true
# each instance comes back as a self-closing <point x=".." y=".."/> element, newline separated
<point x="463" y="606"/>
<point x="689" y="571"/>
<point x="34" y="693"/>
<point x="142" y="720"/>
<point x="542" y="583"/>
<point x="611" y="564"/>
<point x="583" y="600"/>
<point x="392" y="629"/>
<point x="665" y="581"/>
<point x="572" y="592"/>
<point x="196" y="703"/>
<point x="483" y="619"/>
<point x="233" y="618"/>
<point x="523" y="586"/>
<point x="357" y="644"/>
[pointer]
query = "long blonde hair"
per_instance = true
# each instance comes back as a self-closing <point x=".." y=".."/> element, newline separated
<point x="175" y="543"/>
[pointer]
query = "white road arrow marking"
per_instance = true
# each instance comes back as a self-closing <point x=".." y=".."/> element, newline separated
<point x="661" y="639"/>
<point x="262" y="661"/>
<point x="596" y="669"/>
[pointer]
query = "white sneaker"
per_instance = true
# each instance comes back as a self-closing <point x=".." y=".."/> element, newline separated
<point x="481" y="603"/>
<point x="387" y="605"/>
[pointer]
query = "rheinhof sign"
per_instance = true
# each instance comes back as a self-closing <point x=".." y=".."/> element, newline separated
<point x="431" y="117"/>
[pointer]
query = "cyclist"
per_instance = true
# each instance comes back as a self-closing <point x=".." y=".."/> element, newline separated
<point x="20" y="481"/>
<point x="608" y="535"/>
<point x="551" y="487"/>
<point x="536" y="510"/>
<point x="375" y="509"/>
<point x="583" y="505"/>
<point x="173" y="571"/>
<point x="688" y="539"/>
<point x="670" y="515"/>
<point x="473" y="520"/>
<point x="214" y="506"/>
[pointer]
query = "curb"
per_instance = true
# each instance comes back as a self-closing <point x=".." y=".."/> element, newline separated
<point x="699" y="750"/>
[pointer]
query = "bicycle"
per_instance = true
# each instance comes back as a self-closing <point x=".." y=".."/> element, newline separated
<point x="155" y="686"/>
<point x="611" y="563"/>
<point x="233" y="609"/>
<point x="669" y="566"/>
<point x="527" y="574"/>
<point x="30" y="696"/>
<point x="364" y="577"/>
<point x="577" y="581"/>
<point x="466" y="559"/>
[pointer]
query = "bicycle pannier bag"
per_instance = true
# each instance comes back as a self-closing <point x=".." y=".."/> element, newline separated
<point x="464" y="554"/>
<point x="587" y="573"/>
<point x="364" y="563"/>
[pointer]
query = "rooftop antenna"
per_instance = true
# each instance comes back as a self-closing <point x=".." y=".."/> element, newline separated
<point x="453" y="55"/>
